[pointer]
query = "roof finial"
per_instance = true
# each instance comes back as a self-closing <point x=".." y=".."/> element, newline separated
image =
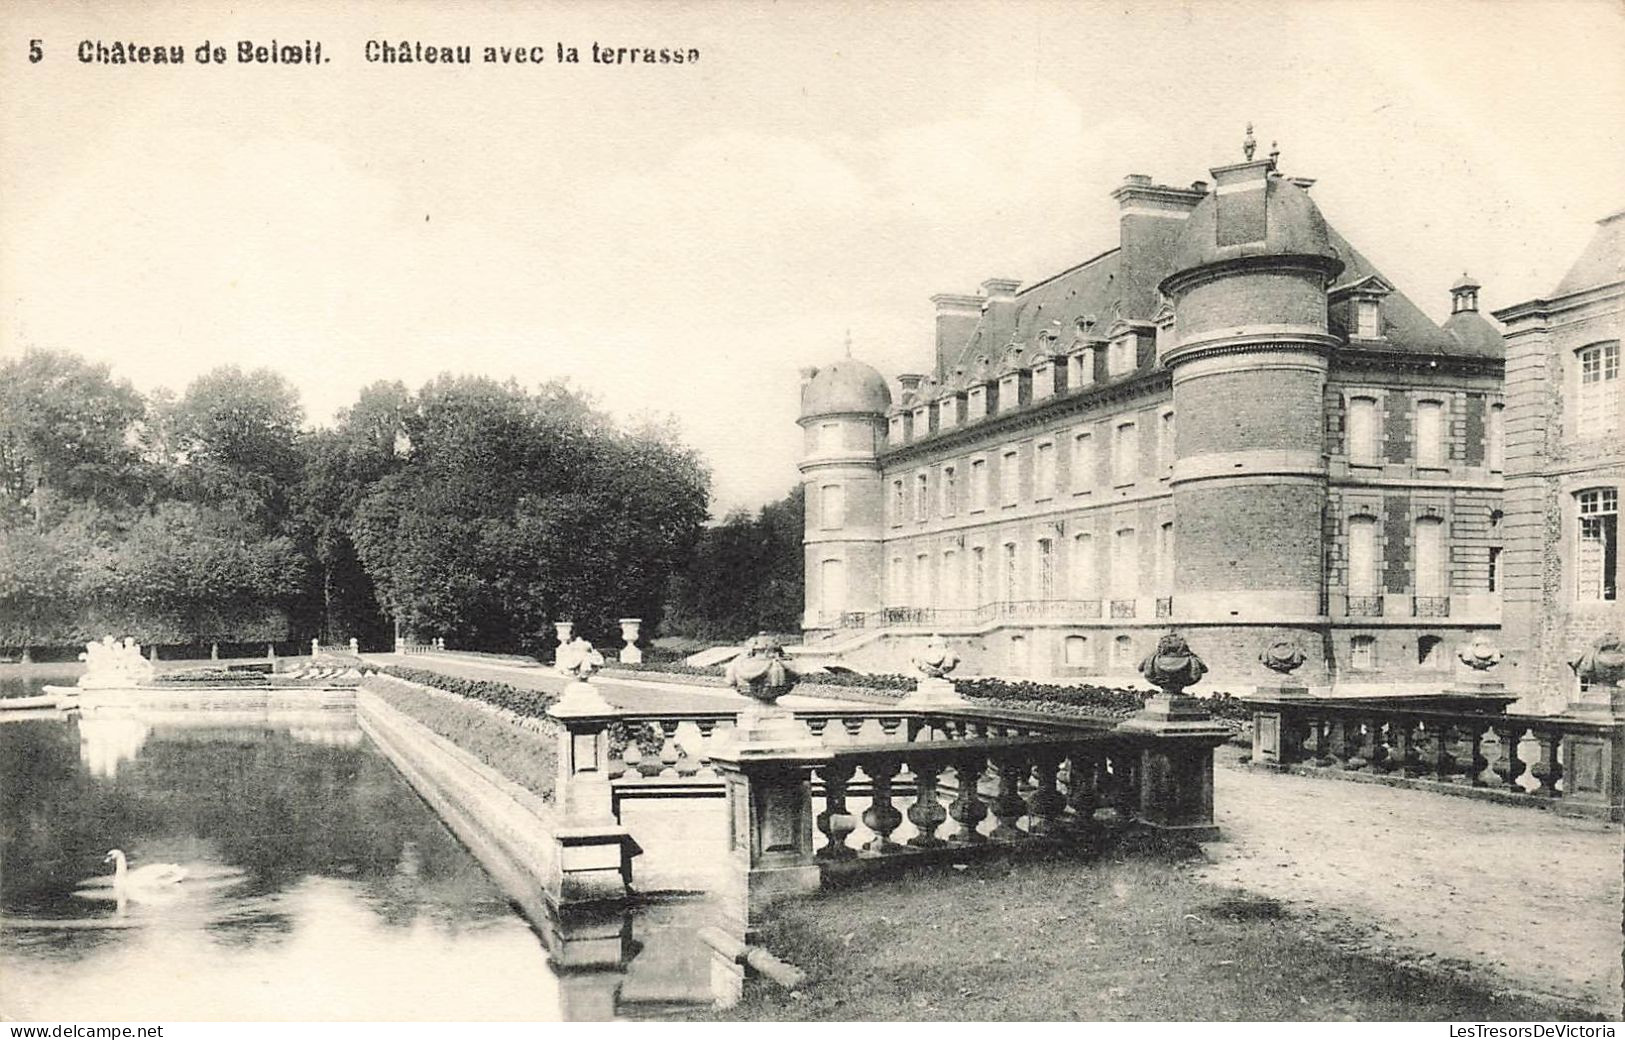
<point x="1248" y="146"/>
<point x="1275" y="154"/>
<point x="848" y="342"/>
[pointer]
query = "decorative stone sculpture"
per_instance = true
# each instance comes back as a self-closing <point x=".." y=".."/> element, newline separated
<point x="1282" y="656"/>
<point x="1480" y="655"/>
<point x="113" y="665"/>
<point x="630" y="627"/>
<point x="762" y="672"/>
<point x="1172" y="666"/>
<point x="578" y="660"/>
<point x="1601" y="671"/>
<point x="935" y="659"/>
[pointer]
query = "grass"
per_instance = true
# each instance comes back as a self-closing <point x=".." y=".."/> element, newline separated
<point x="1132" y="936"/>
<point x="528" y="757"/>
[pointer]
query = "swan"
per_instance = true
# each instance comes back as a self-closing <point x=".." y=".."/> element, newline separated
<point x="153" y="875"/>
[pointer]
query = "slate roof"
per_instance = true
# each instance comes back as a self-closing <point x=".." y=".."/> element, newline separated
<point x="1603" y="260"/>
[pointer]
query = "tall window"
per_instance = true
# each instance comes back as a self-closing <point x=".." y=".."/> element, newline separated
<point x="898" y="584"/>
<point x="832" y="505"/>
<point x="1362" y="433"/>
<point x="925" y="593"/>
<point x="1165" y="557"/>
<point x="1165" y="441"/>
<point x="1429" y="433"/>
<point x="978" y="575"/>
<point x="1362" y="556"/>
<point x="1495" y="439"/>
<point x="953" y="590"/>
<point x="1367" y="321"/>
<point x="1077" y="651"/>
<point x="950" y="489"/>
<point x="897" y="501"/>
<point x="922" y="487"/>
<point x="1046" y="568"/>
<point x="1083" y="462"/>
<point x="976" y="403"/>
<point x="1125" y="453"/>
<point x="1125" y="576"/>
<point x="1012" y="576"/>
<point x="1085" y="581"/>
<point x="832" y="579"/>
<point x="1429" y="557"/>
<point x="1599" y="391"/>
<point x="978" y="484"/>
<point x="1495" y="568"/>
<point x="1121" y="356"/>
<point x="1123" y="652"/>
<point x="1010" y="478"/>
<point x="1044" y="470"/>
<point x="829" y="437"/>
<point x="1597" y="559"/>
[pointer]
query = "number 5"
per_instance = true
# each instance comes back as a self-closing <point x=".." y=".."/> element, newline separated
<point x="34" y="51"/>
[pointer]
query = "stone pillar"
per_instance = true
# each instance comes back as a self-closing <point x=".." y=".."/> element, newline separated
<point x="315" y="647"/>
<point x="1176" y="737"/>
<point x="565" y="630"/>
<point x="355" y="646"/>
<point x="214" y="651"/>
<point x="630" y="654"/>
<point x="270" y="652"/>
<point x="770" y="829"/>
<point x="594" y="851"/>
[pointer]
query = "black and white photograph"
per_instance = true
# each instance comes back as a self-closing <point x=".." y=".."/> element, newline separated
<point x="710" y="512"/>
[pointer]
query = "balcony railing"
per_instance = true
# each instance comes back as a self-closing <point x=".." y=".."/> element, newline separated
<point x="1563" y="761"/>
<point x="1365" y="606"/>
<point x="1430" y="606"/>
<point x="1122" y="608"/>
<point x="948" y="617"/>
<point x="1165" y="606"/>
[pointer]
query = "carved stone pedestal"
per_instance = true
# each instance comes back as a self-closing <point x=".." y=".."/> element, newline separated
<point x="933" y="693"/>
<point x="1176" y="765"/>
<point x="770" y="830"/>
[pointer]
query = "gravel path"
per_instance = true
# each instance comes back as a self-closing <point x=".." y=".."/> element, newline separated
<point x="1524" y="896"/>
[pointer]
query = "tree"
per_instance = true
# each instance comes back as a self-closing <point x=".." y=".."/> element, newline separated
<point x="231" y="439"/>
<point x="746" y="575"/>
<point x="65" y="434"/>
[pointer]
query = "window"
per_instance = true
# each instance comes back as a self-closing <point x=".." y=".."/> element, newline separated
<point x="897" y="594"/>
<point x="953" y="592"/>
<point x="832" y="579"/>
<point x="1125" y="574"/>
<point x="1123" y="652"/>
<point x="978" y="575"/>
<point x="1043" y="380"/>
<point x="1083" y="462"/>
<point x="1009" y="392"/>
<point x="897" y="501"/>
<point x="832" y="505"/>
<point x="894" y="430"/>
<point x="1599" y="391"/>
<point x="1430" y="652"/>
<point x="1165" y="441"/>
<point x="1121" y="356"/>
<point x="1083" y="368"/>
<point x="950" y="489"/>
<point x="1125" y="454"/>
<point x="1429" y="434"/>
<point x="1044" y="471"/>
<point x="1046" y="568"/>
<point x="1165" y="337"/>
<point x="1362" y="432"/>
<point x="976" y="403"/>
<point x="1010" y="478"/>
<point x="1362" y="578"/>
<point x="922" y="421"/>
<point x="1597" y="561"/>
<point x="1012" y="576"/>
<point x="924" y="581"/>
<point x="978" y="484"/>
<point x="1165" y="557"/>
<point x="1429" y="556"/>
<point x="922" y="500"/>
<point x="1363" y="653"/>
<point x="1495" y="439"/>
<point x="1367" y="320"/>
<point x="1085" y="581"/>
<point x="829" y="437"/>
<point x="1076" y="651"/>
<point x="947" y="413"/>
<point x="1495" y="568"/>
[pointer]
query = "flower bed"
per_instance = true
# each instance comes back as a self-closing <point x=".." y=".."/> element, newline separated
<point x="212" y="677"/>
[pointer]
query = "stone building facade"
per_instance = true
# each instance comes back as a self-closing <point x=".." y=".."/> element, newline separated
<point x="1565" y="403"/>
<point x="1230" y="423"/>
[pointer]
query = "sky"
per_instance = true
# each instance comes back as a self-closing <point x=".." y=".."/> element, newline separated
<point x="682" y="240"/>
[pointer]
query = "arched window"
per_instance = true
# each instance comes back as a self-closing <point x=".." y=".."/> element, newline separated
<point x="1495" y="439"/>
<point x="1363" y="652"/>
<point x="832" y="505"/>
<point x="1429" y="557"/>
<point x="1125" y="574"/>
<point x="832" y="591"/>
<point x="1046" y="568"/>
<point x="1362" y="579"/>
<point x="1085" y="579"/>
<point x="1123" y="653"/>
<point x="1077" y="652"/>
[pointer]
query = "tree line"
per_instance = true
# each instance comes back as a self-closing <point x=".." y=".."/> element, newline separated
<point x="469" y="509"/>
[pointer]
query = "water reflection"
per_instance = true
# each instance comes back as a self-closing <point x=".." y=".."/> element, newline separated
<point x="105" y="743"/>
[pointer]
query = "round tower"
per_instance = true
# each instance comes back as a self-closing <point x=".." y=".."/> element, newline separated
<point x="1248" y="358"/>
<point x="843" y="422"/>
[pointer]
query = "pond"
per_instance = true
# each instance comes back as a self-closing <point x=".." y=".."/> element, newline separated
<point x="319" y="886"/>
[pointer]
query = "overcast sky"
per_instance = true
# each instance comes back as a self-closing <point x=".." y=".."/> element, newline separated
<point x="683" y="239"/>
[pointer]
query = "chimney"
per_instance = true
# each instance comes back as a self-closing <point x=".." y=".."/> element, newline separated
<point x="1000" y="290"/>
<point x="1241" y="194"/>
<point x="1150" y="217"/>
<point x="957" y="315"/>
<point x="910" y="381"/>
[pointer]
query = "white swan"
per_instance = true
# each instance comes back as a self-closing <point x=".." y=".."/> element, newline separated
<point x="153" y="875"/>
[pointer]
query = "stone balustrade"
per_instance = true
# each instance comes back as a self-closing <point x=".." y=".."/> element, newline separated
<point x="1568" y="763"/>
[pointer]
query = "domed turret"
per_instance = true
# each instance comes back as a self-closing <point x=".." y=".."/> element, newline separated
<point x="846" y="387"/>
<point x="1468" y="327"/>
<point x="1228" y="225"/>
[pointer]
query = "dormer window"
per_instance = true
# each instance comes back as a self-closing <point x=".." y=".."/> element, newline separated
<point x="1121" y="356"/>
<point x="1367" y="319"/>
<point x="948" y="413"/>
<point x="894" y="430"/>
<point x="1083" y="368"/>
<point x="976" y="403"/>
<point x="1009" y="391"/>
<point x="1043" y="379"/>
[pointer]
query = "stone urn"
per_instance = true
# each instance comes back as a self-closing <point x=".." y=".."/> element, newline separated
<point x="762" y="672"/>
<point x="578" y="660"/>
<point x="631" y="627"/>
<point x="1282" y="657"/>
<point x="1480" y="655"/>
<point x="935" y="659"/>
<point x="1601" y="671"/>
<point x="1172" y="666"/>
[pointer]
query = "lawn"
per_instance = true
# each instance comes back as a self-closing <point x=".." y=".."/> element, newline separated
<point x="1128" y="937"/>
